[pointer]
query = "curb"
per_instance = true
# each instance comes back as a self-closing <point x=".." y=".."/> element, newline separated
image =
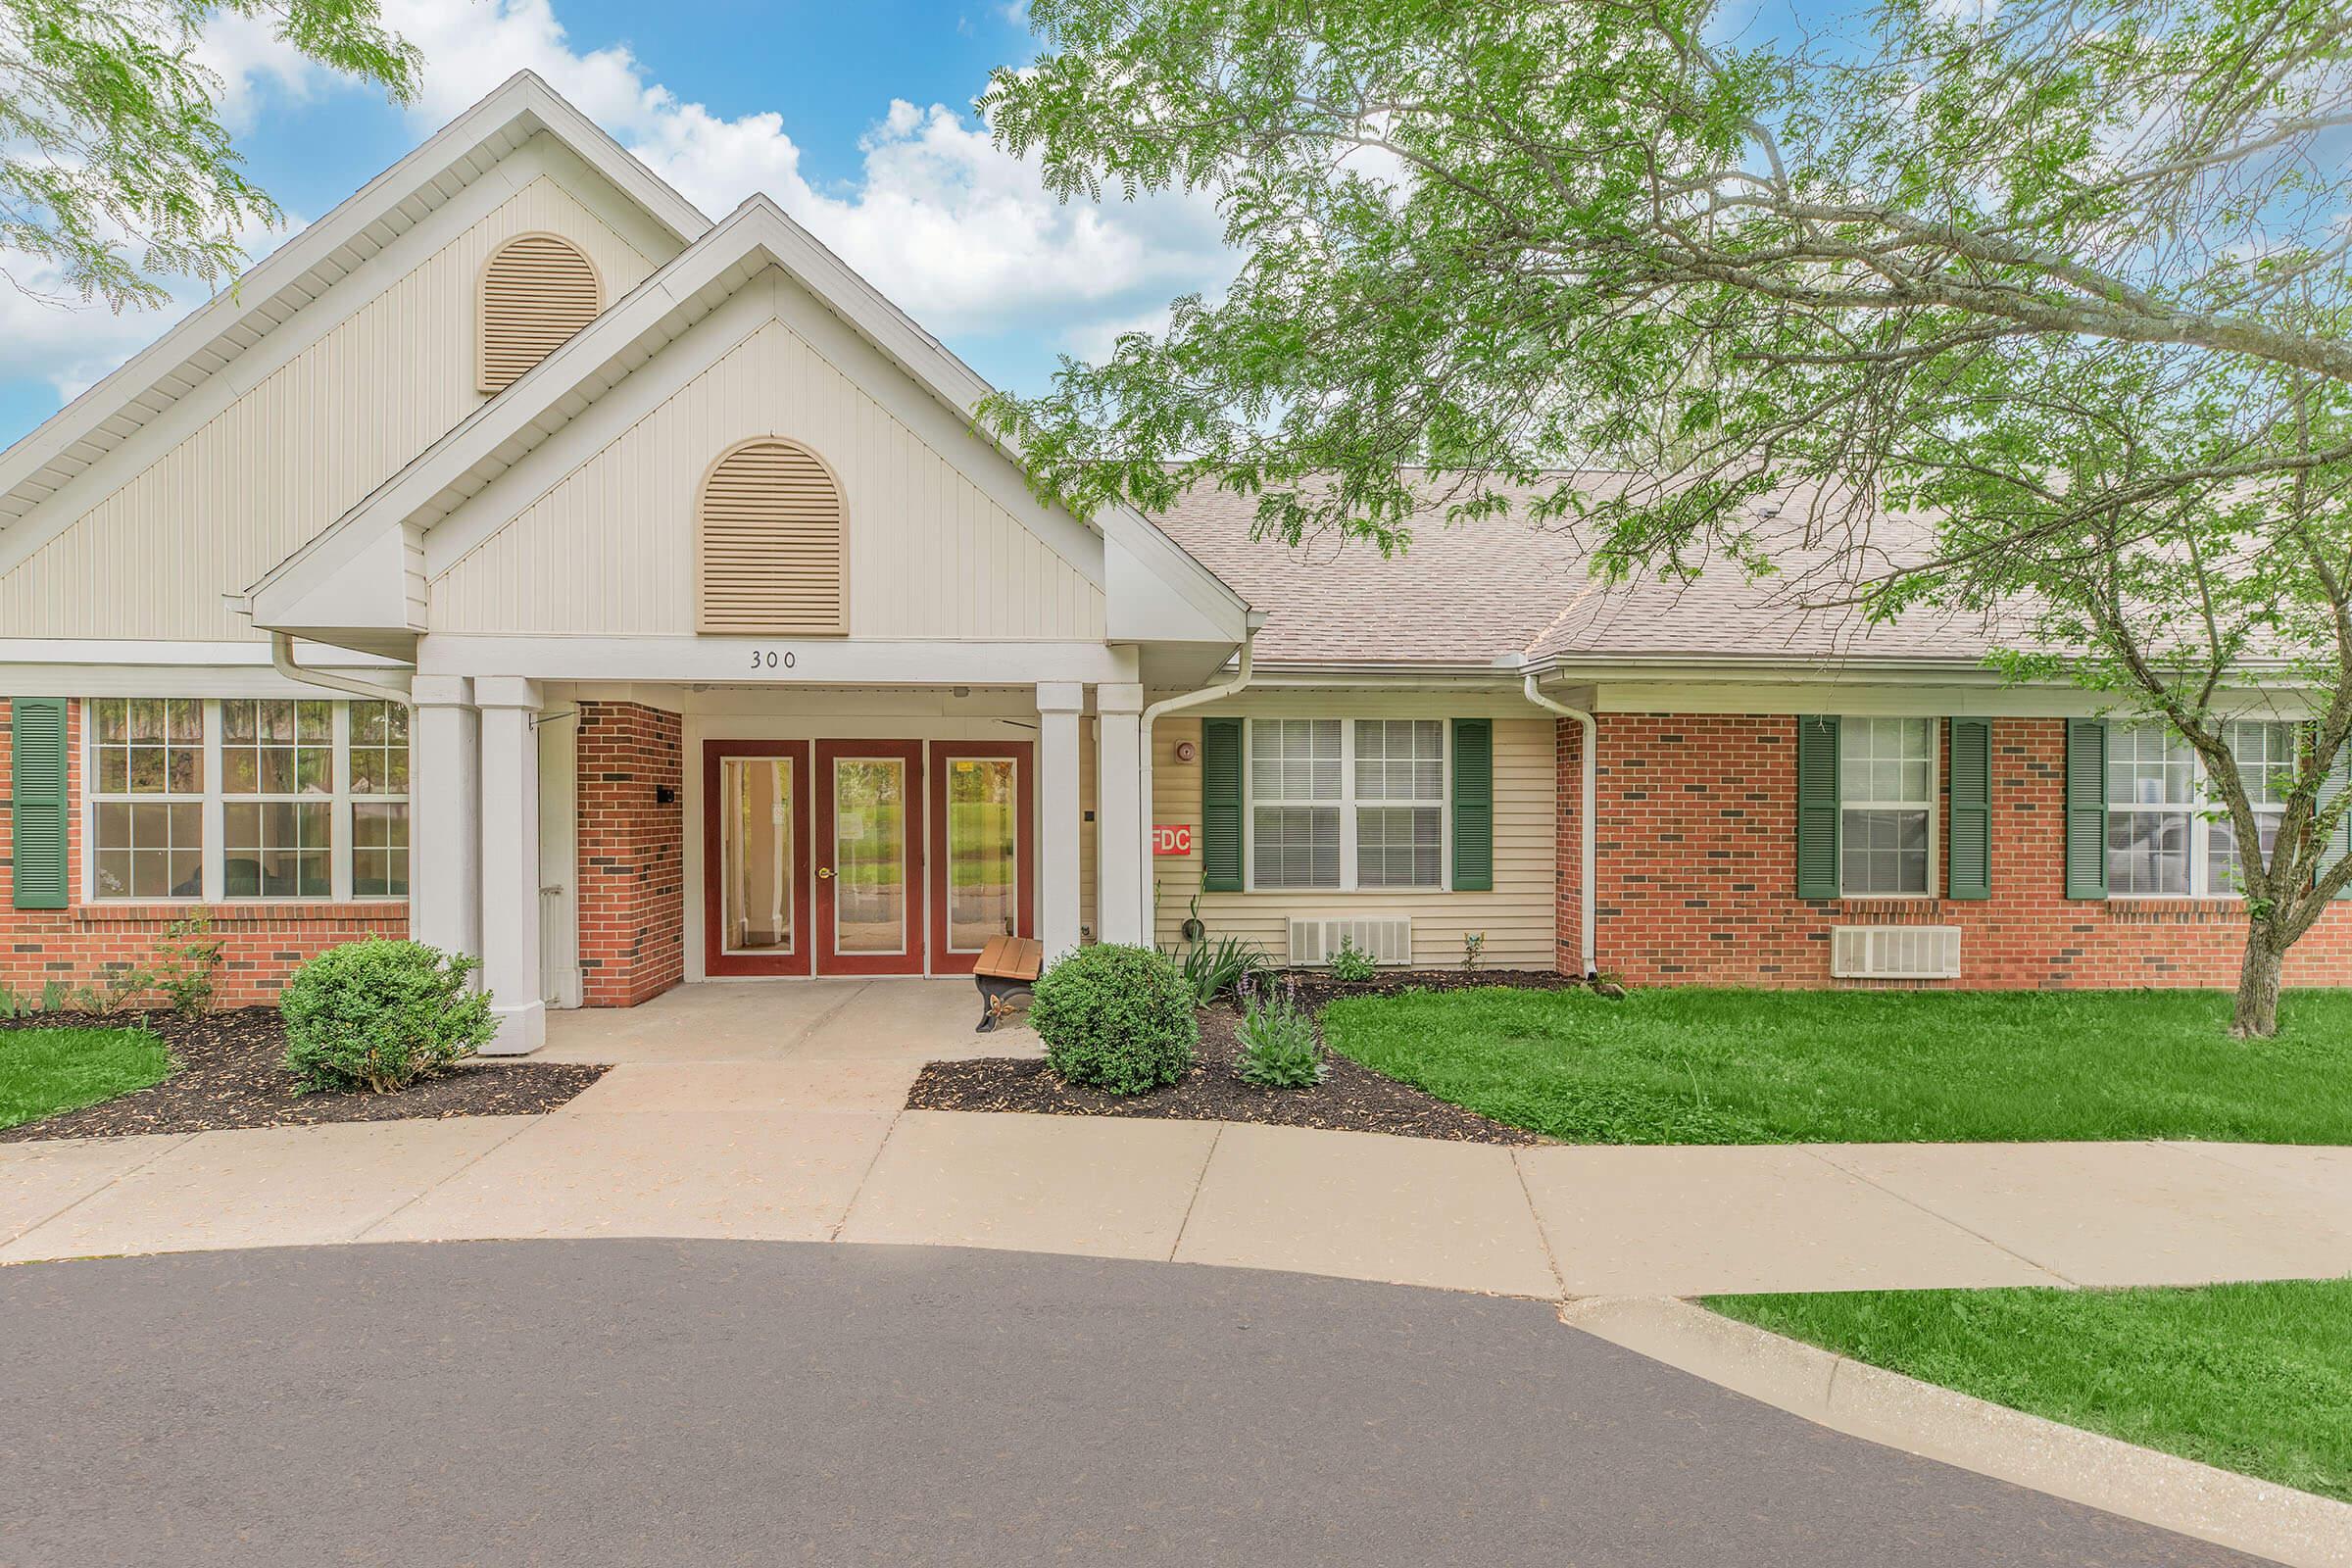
<point x="1871" y="1403"/>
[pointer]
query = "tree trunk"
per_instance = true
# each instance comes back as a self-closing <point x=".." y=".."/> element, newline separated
<point x="2258" y="980"/>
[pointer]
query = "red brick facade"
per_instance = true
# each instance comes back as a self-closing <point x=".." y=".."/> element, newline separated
<point x="632" y="853"/>
<point x="1696" y="852"/>
<point x="74" y="946"/>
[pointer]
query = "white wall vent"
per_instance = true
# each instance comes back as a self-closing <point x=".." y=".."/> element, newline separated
<point x="1894" y="951"/>
<point x="1389" y="939"/>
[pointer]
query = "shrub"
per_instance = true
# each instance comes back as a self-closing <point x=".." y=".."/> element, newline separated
<point x="1117" y="1019"/>
<point x="1212" y="971"/>
<point x="191" y="955"/>
<point x="379" y="1015"/>
<point x="1351" y="964"/>
<point x="1278" y="1049"/>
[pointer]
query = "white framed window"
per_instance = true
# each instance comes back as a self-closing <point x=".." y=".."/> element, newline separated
<point x="2164" y="837"/>
<point x="246" y="799"/>
<point x="146" y="775"/>
<point x="1886" y="792"/>
<point x="1346" y="804"/>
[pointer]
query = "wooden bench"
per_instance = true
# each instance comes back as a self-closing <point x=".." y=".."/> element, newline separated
<point x="1007" y="968"/>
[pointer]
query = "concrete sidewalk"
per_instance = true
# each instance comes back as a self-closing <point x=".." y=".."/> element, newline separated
<point x="815" y="1147"/>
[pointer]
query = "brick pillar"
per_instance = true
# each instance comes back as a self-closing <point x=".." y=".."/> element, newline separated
<point x="632" y="852"/>
<point x="1568" y="795"/>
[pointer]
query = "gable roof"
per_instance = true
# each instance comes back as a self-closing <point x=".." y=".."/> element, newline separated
<point x="535" y="407"/>
<point x="212" y="337"/>
<point x="1501" y="593"/>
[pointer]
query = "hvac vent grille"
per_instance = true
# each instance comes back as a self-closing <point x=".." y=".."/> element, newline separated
<point x="1389" y="940"/>
<point x="771" y="544"/>
<point x="1894" y="952"/>
<point x="537" y="291"/>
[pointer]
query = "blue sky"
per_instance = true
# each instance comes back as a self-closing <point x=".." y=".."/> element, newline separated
<point x="855" y="115"/>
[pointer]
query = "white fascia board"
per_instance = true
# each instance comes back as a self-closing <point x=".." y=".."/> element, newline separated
<point x="797" y="661"/>
<point x="80" y="667"/>
<point x="524" y="104"/>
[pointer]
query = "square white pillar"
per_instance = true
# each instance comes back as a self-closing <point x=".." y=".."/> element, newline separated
<point x="511" y="970"/>
<point x="1122" y="853"/>
<point x="445" y="832"/>
<point x="1057" y="708"/>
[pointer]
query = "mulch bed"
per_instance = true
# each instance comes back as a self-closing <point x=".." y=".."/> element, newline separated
<point x="229" y="1071"/>
<point x="1351" y="1098"/>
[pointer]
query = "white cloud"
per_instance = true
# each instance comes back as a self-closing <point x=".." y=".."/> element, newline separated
<point x="961" y="236"/>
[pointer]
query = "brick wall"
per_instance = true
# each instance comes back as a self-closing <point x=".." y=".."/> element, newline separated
<point x="1696" y="850"/>
<point x="262" y="944"/>
<point x="632" y="853"/>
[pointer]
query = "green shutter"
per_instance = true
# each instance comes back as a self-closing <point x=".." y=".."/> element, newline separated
<point x="37" y="807"/>
<point x="2340" y="838"/>
<point x="1473" y="805"/>
<point x="1221" y="805"/>
<point x="1968" y="861"/>
<point x="1818" y="820"/>
<point x="2086" y="808"/>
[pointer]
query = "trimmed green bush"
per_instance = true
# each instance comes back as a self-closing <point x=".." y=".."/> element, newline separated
<point x="1116" y="1018"/>
<point x="379" y="1015"/>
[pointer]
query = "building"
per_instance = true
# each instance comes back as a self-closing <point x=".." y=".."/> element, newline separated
<point x="520" y="560"/>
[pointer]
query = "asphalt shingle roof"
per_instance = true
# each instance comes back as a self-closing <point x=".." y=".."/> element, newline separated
<point x="1496" y="590"/>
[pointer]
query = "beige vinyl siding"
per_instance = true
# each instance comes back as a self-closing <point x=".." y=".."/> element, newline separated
<point x="1518" y="917"/>
<point x="608" y="549"/>
<point x="282" y="463"/>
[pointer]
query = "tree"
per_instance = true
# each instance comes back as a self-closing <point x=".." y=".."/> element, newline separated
<point x="114" y="164"/>
<point x="2040" y="305"/>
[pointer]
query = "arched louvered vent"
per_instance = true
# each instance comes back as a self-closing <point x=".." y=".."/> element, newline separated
<point x="537" y="290"/>
<point x="770" y="552"/>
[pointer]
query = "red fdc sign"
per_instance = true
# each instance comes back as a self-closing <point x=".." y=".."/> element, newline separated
<point x="1172" y="838"/>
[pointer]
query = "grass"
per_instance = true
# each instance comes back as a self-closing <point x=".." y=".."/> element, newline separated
<point x="2251" y="1378"/>
<point x="1716" y="1066"/>
<point x="44" y="1071"/>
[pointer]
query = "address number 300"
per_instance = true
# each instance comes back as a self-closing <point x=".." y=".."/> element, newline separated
<point x="772" y="658"/>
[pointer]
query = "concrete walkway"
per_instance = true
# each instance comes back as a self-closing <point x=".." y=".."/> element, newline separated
<point x="778" y="1118"/>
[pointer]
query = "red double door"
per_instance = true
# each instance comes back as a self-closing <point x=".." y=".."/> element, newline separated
<point x="848" y="857"/>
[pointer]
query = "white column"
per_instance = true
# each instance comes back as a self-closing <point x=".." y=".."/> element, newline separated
<point x="1123" y="854"/>
<point x="445" y="834"/>
<point x="511" y="863"/>
<point x="1057" y="708"/>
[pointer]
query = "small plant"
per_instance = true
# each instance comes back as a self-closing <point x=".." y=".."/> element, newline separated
<point x="1351" y="964"/>
<point x="13" y="1006"/>
<point x="117" y="984"/>
<point x="56" y="996"/>
<point x="1212" y="971"/>
<point x="1193" y="929"/>
<point x="1116" y="1018"/>
<point x="1278" y="1048"/>
<point x="380" y="1014"/>
<point x="191" y="959"/>
<point x="1474" y="947"/>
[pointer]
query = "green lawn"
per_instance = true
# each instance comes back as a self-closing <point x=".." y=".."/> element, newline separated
<point x="1673" y="1066"/>
<point x="44" y="1071"/>
<point x="2252" y="1378"/>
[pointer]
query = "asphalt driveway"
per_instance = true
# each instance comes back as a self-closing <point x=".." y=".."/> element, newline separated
<point x="695" y="1402"/>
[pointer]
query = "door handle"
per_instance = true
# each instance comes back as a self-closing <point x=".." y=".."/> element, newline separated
<point x="824" y="873"/>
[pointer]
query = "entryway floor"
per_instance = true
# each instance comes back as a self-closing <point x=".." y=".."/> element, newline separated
<point x="893" y="1019"/>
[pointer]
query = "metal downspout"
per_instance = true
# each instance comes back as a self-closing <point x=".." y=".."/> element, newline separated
<point x="1592" y="773"/>
<point x="282" y="658"/>
<point x="1170" y="704"/>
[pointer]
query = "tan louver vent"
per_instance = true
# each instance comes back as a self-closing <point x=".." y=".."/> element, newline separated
<point x="536" y="292"/>
<point x="772" y="550"/>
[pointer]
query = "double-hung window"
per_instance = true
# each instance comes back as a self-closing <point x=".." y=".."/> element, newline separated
<point x="146" y="772"/>
<point x="1886" y="788"/>
<point x="1346" y="804"/>
<point x="247" y="798"/>
<point x="2163" y="839"/>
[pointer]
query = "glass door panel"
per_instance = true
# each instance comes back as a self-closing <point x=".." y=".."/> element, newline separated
<point x="758" y="899"/>
<point x="756" y="843"/>
<point x="983" y="893"/>
<point x="869" y="854"/>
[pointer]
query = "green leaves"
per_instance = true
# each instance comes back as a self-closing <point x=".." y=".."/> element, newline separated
<point x="116" y="168"/>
